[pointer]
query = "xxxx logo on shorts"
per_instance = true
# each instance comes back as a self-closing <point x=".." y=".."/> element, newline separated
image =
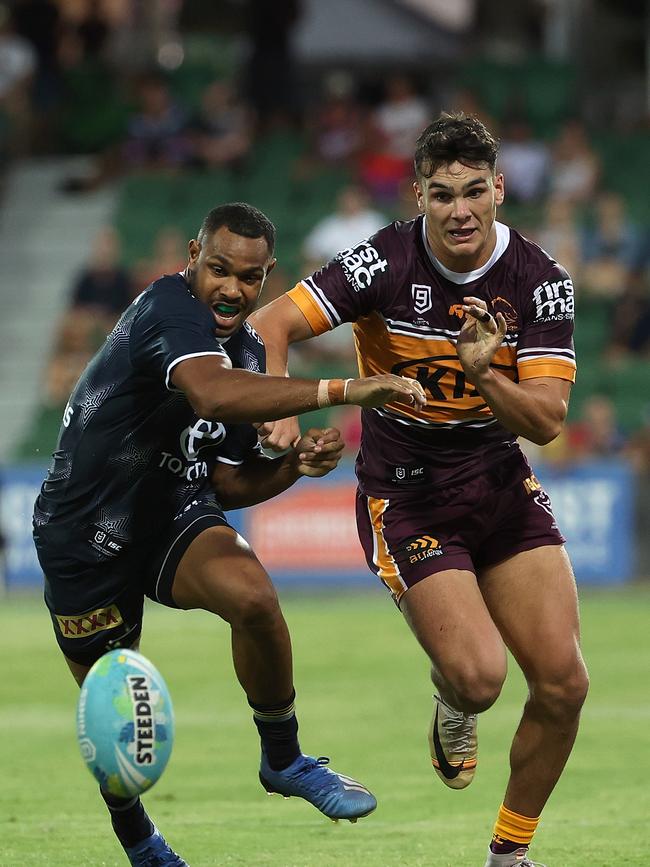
<point x="82" y="625"/>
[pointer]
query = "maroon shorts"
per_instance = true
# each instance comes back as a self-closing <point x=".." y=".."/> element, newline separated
<point x="484" y="521"/>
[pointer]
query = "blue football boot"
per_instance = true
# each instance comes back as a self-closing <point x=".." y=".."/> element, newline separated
<point x="154" y="851"/>
<point x="335" y="795"/>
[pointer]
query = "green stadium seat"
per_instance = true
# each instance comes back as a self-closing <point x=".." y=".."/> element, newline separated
<point x="593" y="326"/>
<point x="85" y="123"/>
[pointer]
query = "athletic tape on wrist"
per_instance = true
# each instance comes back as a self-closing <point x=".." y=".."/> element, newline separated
<point x="322" y="395"/>
<point x="331" y="392"/>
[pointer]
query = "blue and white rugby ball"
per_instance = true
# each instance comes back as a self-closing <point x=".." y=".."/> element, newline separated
<point x="125" y="723"/>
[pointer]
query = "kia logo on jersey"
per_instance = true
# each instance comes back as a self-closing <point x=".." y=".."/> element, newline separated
<point x="421" y="297"/>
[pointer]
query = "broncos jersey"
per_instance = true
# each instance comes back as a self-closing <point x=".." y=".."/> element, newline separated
<point x="131" y="450"/>
<point x="406" y="310"/>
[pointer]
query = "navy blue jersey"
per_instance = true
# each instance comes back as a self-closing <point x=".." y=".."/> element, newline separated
<point x="131" y="450"/>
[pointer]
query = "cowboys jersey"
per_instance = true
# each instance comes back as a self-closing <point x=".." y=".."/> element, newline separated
<point x="406" y="310"/>
<point x="131" y="451"/>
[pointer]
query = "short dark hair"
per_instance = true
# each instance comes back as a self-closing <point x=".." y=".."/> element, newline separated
<point x="241" y="219"/>
<point x="454" y="137"/>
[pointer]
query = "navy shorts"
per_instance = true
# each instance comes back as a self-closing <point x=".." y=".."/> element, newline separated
<point x="96" y="606"/>
<point x="484" y="521"/>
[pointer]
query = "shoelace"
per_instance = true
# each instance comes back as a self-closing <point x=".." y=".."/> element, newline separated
<point x="330" y="781"/>
<point x="153" y="859"/>
<point x="458" y="729"/>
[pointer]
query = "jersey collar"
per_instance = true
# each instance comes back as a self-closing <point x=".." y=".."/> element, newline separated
<point x="461" y="277"/>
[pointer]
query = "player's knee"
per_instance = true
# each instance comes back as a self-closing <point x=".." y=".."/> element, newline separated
<point x="478" y="697"/>
<point x="255" y="607"/>
<point x="563" y="698"/>
<point x="477" y="689"/>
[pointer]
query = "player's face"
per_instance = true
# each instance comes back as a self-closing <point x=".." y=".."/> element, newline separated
<point x="227" y="273"/>
<point x="460" y="204"/>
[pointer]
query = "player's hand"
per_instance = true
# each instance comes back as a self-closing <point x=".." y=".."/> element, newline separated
<point x="385" y="388"/>
<point x="479" y="338"/>
<point x="318" y="452"/>
<point x="279" y="435"/>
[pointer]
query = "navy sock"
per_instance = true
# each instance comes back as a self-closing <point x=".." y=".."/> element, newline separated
<point x="129" y="819"/>
<point x="278" y="728"/>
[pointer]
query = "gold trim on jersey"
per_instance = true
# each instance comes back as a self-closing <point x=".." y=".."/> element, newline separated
<point x="434" y="362"/>
<point x="432" y="359"/>
<point x="547" y="366"/>
<point x="304" y="301"/>
<point x="382" y="558"/>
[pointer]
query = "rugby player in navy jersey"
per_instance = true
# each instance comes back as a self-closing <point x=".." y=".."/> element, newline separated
<point x="450" y="514"/>
<point x="157" y="440"/>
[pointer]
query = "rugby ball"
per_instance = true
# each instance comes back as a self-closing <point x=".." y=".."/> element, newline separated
<point x="125" y="723"/>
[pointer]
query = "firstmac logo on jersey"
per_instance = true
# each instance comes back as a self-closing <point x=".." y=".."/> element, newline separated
<point x="554" y="300"/>
<point x="360" y="264"/>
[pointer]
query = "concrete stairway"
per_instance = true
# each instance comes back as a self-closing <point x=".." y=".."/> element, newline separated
<point x="45" y="237"/>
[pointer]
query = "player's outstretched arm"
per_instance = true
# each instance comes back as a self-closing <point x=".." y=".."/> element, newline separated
<point x="260" y="478"/>
<point x="280" y="324"/>
<point x="536" y="408"/>
<point x="219" y="393"/>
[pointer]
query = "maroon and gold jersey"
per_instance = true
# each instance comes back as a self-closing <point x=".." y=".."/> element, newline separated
<point x="407" y="315"/>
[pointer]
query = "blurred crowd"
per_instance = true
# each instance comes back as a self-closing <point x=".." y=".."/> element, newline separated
<point x="70" y="80"/>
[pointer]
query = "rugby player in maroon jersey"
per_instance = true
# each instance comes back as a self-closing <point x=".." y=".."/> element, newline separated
<point x="450" y="514"/>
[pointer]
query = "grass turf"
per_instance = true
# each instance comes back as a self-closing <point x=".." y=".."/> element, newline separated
<point x="363" y="699"/>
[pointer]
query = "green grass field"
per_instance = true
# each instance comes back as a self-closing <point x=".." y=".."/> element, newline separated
<point x="364" y="700"/>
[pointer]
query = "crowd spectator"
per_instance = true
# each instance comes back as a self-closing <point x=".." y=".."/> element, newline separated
<point x="575" y="166"/>
<point x="62" y="372"/>
<point x="18" y="64"/>
<point x="595" y="435"/>
<point x="168" y="256"/>
<point x="353" y="220"/>
<point x="611" y="247"/>
<point x="401" y="117"/>
<point x="334" y="125"/>
<point x="631" y="323"/>
<point x="39" y="21"/>
<point x="558" y="234"/>
<point x="157" y="137"/>
<point x="524" y="160"/>
<point x="157" y="134"/>
<point x="271" y="79"/>
<point x="104" y="287"/>
<point x="389" y="136"/>
<point x="221" y="130"/>
<point x="467" y="100"/>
